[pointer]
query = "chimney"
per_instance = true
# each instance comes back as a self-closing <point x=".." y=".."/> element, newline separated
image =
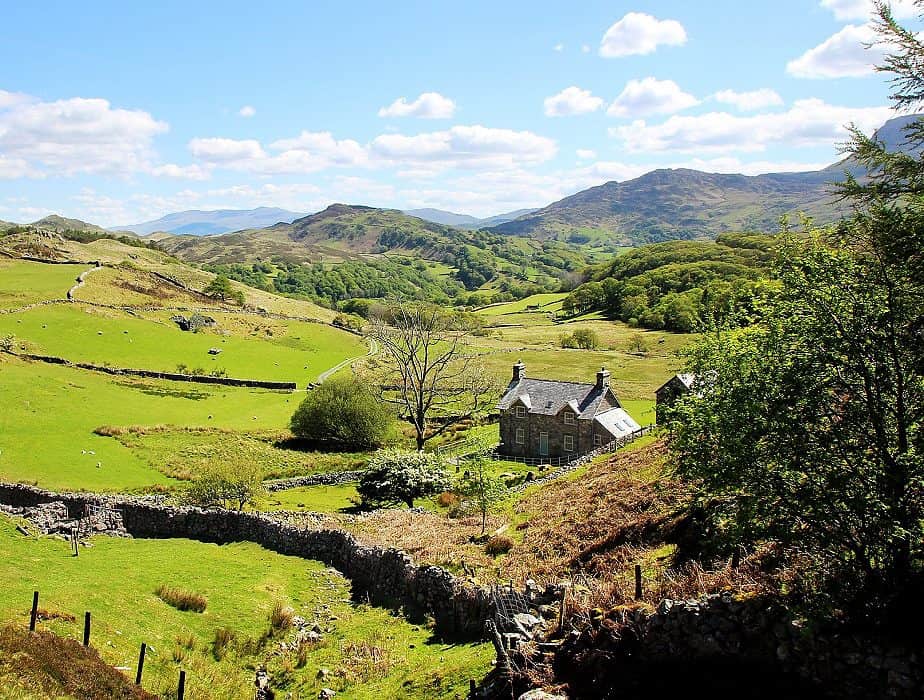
<point x="519" y="371"/>
<point x="603" y="379"/>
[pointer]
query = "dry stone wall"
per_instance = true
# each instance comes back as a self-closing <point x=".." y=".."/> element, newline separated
<point x="387" y="577"/>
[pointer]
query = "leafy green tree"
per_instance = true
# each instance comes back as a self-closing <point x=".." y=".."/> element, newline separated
<point x="343" y="412"/>
<point x="395" y="476"/>
<point x="586" y="338"/>
<point x="481" y="488"/>
<point x="225" y="484"/>
<point x="638" y="344"/>
<point x="221" y="288"/>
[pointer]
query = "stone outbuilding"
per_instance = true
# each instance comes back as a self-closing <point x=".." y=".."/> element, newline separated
<point x="551" y="418"/>
<point x="670" y="391"/>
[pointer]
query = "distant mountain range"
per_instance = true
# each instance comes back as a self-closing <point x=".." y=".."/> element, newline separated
<point x="205" y="223"/>
<point x="669" y="204"/>
<point x="439" y="216"/>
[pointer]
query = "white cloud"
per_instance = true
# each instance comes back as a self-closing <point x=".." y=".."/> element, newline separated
<point x="571" y="101"/>
<point x="181" y="172"/>
<point x="640" y="33"/>
<point x="585" y="48"/>
<point x="810" y="122"/>
<point x="586" y="154"/>
<point x="308" y="152"/>
<point x="247" y="111"/>
<point x="558" y="47"/>
<point x="842" y="55"/>
<point x="650" y="96"/>
<point x="76" y="135"/>
<point x="429" y="105"/>
<point x="15" y="168"/>
<point x="465" y="147"/>
<point x="846" y="10"/>
<point x="751" y="100"/>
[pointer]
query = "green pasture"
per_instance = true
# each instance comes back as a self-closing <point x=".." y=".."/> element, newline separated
<point x="87" y="334"/>
<point x="49" y="414"/>
<point x="115" y="580"/>
<point x="319" y="499"/>
<point x="23" y="282"/>
<point x="545" y="303"/>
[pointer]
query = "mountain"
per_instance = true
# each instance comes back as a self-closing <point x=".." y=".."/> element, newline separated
<point x="56" y="223"/>
<point x="439" y="216"/>
<point x="203" y="223"/>
<point x="681" y="203"/>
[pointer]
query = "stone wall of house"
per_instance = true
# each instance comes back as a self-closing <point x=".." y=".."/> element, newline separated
<point x="388" y="577"/>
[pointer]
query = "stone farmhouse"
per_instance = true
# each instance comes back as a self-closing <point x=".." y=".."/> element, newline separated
<point x="550" y="418"/>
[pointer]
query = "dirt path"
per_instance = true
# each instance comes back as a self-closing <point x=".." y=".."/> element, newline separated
<point x="373" y="349"/>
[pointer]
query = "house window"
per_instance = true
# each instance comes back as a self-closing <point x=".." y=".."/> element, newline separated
<point x="569" y="418"/>
<point x="521" y="436"/>
<point x="569" y="443"/>
<point x="598" y="440"/>
<point x="521" y="411"/>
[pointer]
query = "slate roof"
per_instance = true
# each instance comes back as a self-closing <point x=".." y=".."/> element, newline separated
<point x="687" y="379"/>
<point x="548" y="396"/>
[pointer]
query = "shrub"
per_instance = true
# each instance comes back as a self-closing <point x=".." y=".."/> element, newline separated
<point x="498" y="544"/>
<point x="281" y="617"/>
<point x="181" y="599"/>
<point x="395" y="477"/>
<point x="342" y="411"/>
<point x="447" y="499"/>
<point x="226" y="485"/>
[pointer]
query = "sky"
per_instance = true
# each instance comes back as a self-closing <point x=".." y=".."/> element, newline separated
<point x="117" y="113"/>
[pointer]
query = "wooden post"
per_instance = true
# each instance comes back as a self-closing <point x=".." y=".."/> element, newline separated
<point x="86" y="628"/>
<point x="638" y="582"/>
<point x="144" y="648"/>
<point x="34" y="615"/>
<point x="181" y="688"/>
<point x="564" y="606"/>
<point x="736" y="557"/>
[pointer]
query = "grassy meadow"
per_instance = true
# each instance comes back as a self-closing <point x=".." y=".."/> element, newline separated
<point x="300" y="352"/>
<point x="369" y="652"/>
<point x="23" y="282"/>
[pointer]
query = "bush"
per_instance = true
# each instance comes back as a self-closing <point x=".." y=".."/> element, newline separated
<point x="395" y="477"/>
<point x="222" y="640"/>
<point x="226" y="485"/>
<point x="498" y="544"/>
<point x="281" y="617"/>
<point x="181" y="599"/>
<point x="343" y="412"/>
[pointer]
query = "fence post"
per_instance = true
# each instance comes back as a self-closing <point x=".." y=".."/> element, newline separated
<point x="144" y="648"/>
<point x="86" y="629"/>
<point x="181" y="688"/>
<point x="34" y="615"/>
<point x="638" y="582"/>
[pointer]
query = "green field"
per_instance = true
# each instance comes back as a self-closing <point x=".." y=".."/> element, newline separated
<point x="49" y="414"/>
<point x="115" y="580"/>
<point x="23" y="282"/>
<point x="87" y="334"/>
<point x="545" y="302"/>
<point x="320" y="499"/>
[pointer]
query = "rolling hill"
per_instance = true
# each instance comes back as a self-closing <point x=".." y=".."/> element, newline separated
<point x="202" y="223"/>
<point x="439" y="216"/>
<point x="670" y="204"/>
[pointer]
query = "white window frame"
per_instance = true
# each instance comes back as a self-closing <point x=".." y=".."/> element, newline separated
<point x="569" y="418"/>
<point x="520" y="436"/>
<point x="598" y="440"/>
<point x="568" y="443"/>
<point x="520" y="411"/>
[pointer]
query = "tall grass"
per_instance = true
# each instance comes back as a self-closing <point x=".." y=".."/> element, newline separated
<point x="181" y="599"/>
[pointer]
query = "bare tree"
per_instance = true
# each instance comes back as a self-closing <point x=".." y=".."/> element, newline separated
<point x="427" y="369"/>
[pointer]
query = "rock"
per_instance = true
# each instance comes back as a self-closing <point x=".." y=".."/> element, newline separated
<point x="214" y="351"/>
<point x="326" y="694"/>
<point x="539" y="694"/>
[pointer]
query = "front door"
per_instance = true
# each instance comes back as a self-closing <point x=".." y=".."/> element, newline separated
<point x="543" y="444"/>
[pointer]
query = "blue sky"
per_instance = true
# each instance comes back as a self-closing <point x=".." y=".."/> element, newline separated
<point x="117" y="112"/>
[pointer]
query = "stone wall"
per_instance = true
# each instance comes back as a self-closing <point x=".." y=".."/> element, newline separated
<point x="325" y="479"/>
<point x="172" y="376"/>
<point x="619" y="649"/>
<point x="387" y="577"/>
